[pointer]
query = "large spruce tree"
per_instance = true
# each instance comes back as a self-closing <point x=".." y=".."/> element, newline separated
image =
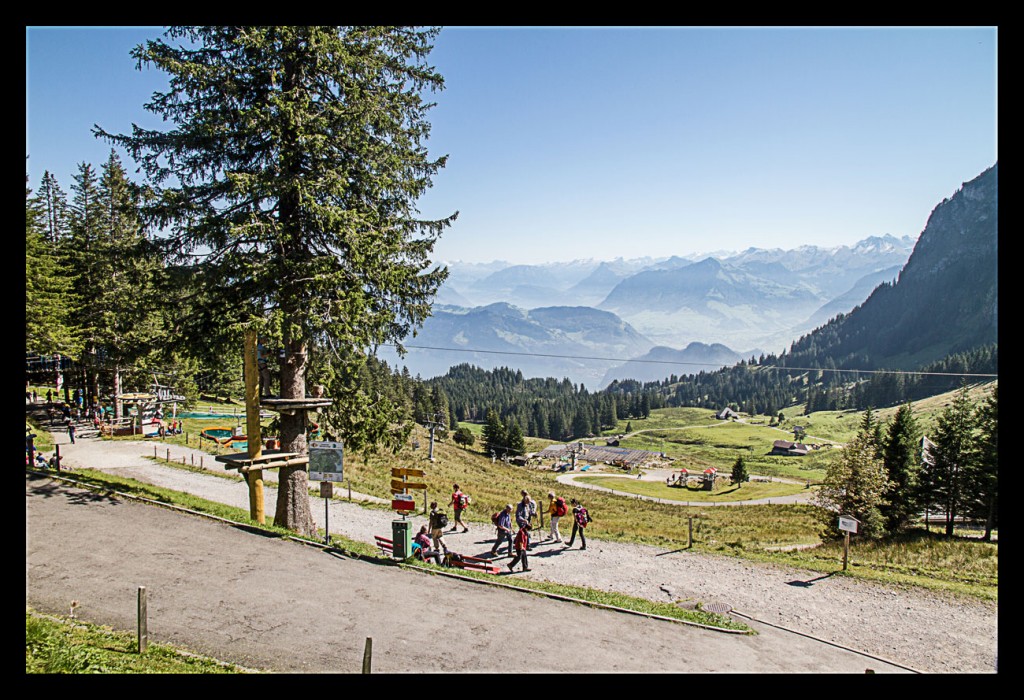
<point x="287" y="182"/>
<point x="901" y="452"/>
<point x="47" y="286"/>
<point x="984" y="475"/>
<point x="946" y="479"/>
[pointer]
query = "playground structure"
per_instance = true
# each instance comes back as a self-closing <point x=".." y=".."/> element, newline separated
<point x="142" y="413"/>
<point x="255" y="459"/>
<point x="225" y="437"/>
<point x="684" y="479"/>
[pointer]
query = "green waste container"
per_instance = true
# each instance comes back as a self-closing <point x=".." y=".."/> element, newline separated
<point x="401" y="536"/>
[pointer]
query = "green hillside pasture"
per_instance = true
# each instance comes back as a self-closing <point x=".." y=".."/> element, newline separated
<point x="725" y="491"/>
<point x="720" y="444"/>
<point x="666" y="418"/>
<point x="963" y="565"/>
<point x="492" y="485"/>
<point x="841" y="426"/>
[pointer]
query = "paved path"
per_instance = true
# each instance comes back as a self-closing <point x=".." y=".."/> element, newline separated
<point x="273" y="604"/>
<point x="254" y="596"/>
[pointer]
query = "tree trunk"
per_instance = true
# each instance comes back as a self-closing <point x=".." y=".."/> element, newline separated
<point x="118" y="409"/>
<point x="990" y="518"/>
<point x="293" y="511"/>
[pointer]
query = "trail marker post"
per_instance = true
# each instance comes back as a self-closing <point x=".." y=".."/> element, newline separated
<point x="847" y="525"/>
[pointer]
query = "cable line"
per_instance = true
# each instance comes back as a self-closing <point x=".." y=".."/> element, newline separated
<point x="698" y="364"/>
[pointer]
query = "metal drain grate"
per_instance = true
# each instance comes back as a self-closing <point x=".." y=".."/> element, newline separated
<point x="718" y="608"/>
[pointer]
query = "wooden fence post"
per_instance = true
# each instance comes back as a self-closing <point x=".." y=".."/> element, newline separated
<point x="690" y="539"/>
<point x="143" y="626"/>
<point x="367" y="654"/>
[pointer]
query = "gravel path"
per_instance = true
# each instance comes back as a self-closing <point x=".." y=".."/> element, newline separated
<point x="920" y="630"/>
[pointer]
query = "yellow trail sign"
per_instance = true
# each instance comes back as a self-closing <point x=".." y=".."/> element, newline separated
<point x="405" y="471"/>
<point x="399" y="485"/>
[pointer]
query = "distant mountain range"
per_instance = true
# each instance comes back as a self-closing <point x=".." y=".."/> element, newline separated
<point x="540" y="342"/>
<point x="525" y="316"/>
<point x="661" y="362"/>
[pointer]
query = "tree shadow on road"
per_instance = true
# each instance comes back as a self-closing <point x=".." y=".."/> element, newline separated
<point x="810" y="582"/>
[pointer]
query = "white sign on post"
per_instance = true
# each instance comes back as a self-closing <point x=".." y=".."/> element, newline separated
<point x="847" y="524"/>
<point x="326" y="460"/>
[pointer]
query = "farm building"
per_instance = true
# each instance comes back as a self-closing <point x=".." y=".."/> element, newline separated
<point x="726" y="413"/>
<point x="619" y="456"/>
<point x="790" y="449"/>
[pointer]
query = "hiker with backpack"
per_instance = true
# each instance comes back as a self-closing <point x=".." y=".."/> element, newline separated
<point x="438" y="522"/>
<point x="556" y="509"/>
<point x="522" y="545"/>
<point x="459" y="503"/>
<point x="503" y="522"/>
<point x="526" y="510"/>
<point x="580" y="519"/>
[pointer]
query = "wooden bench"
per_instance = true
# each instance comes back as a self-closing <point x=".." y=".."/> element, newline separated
<point x="387" y="547"/>
<point x="474" y="564"/>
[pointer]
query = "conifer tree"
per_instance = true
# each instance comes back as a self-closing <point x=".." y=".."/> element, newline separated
<point x="739" y="472"/>
<point x="54" y="203"/>
<point x="287" y="187"/>
<point x="514" y="438"/>
<point x="946" y="480"/>
<point x="495" y="435"/>
<point x="902" y="456"/>
<point x="984" y="477"/>
<point x="855" y="486"/>
<point x="47" y="288"/>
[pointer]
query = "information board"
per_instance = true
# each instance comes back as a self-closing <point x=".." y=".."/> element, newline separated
<point x="847" y="524"/>
<point x="325" y="461"/>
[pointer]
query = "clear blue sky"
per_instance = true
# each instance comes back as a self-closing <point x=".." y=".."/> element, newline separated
<point x="605" y="142"/>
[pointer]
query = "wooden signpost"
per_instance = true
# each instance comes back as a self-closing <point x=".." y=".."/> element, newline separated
<point x="847" y="525"/>
<point x="401" y="499"/>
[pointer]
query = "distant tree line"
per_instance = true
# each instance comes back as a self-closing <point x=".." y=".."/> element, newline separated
<point x="545" y="408"/>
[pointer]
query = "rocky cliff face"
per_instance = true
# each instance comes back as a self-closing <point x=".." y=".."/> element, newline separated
<point x="945" y="299"/>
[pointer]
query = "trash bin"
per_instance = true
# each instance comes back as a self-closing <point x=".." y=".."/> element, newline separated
<point x="401" y="536"/>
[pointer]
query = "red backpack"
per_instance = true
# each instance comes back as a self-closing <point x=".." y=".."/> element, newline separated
<point x="560" y="508"/>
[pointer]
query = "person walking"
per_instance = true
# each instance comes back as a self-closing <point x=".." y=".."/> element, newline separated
<point x="503" y="523"/>
<point x="71" y="431"/>
<point x="526" y="509"/>
<point x="438" y="522"/>
<point x="49" y="396"/>
<point x="458" y="503"/>
<point x="522" y="545"/>
<point x="556" y="509"/>
<point x="580" y="518"/>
